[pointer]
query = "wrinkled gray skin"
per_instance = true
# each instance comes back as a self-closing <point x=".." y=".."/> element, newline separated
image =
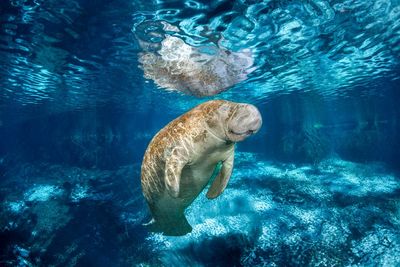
<point x="175" y="65"/>
<point x="182" y="157"/>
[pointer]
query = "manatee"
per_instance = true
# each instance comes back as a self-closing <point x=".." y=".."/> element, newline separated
<point x="200" y="71"/>
<point x="182" y="157"/>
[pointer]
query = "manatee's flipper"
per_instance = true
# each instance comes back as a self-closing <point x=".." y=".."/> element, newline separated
<point x="173" y="169"/>
<point x="222" y="179"/>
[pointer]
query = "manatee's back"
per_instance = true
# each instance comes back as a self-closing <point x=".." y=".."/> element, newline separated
<point x="182" y="129"/>
<point x="152" y="171"/>
<point x="153" y="165"/>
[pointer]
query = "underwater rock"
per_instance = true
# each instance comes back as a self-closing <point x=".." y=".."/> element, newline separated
<point x="42" y="193"/>
<point x="53" y="221"/>
<point x="199" y="71"/>
<point x="210" y="251"/>
<point x="380" y="247"/>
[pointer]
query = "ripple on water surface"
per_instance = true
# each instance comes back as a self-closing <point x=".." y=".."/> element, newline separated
<point x="77" y="54"/>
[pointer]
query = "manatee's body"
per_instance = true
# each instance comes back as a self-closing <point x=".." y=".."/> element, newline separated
<point x="181" y="159"/>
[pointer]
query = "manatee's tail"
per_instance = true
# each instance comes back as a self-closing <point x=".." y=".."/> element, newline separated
<point x="177" y="226"/>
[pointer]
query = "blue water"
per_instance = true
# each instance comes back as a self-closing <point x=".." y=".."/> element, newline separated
<point x="85" y="85"/>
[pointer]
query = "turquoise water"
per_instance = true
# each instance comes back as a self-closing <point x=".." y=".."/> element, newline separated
<point x="84" y="86"/>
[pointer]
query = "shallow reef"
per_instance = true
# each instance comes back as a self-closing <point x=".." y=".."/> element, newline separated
<point x="333" y="213"/>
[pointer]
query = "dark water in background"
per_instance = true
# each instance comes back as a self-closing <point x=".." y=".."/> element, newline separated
<point x="318" y="185"/>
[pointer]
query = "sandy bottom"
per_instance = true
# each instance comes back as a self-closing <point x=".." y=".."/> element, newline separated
<point x="336" y="213"/>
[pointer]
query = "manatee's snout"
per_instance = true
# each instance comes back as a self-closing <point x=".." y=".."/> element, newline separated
<point x="245" y="122"/>
<point x="253" y="119"/>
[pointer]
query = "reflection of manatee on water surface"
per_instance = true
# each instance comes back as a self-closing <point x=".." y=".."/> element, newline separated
<point x="182" y="157"/>
<point x="199" y="71"/>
